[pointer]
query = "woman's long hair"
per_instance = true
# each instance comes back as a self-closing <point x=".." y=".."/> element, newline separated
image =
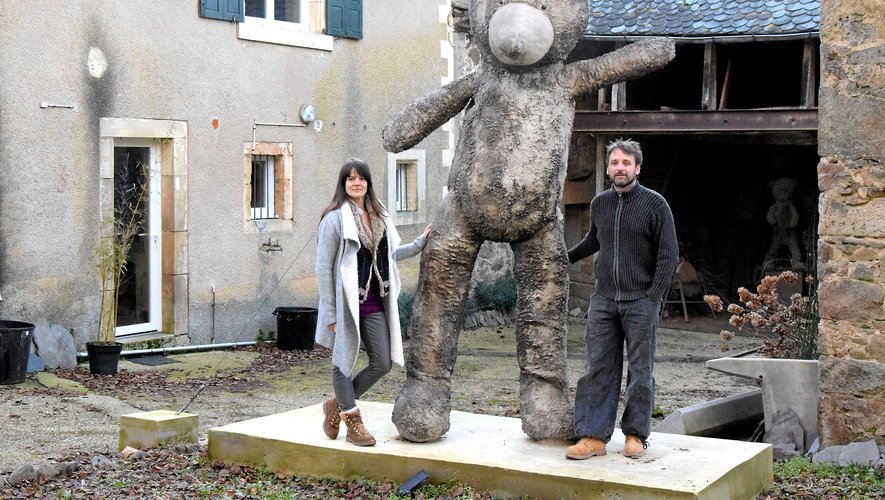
<point x="340" y="197"/>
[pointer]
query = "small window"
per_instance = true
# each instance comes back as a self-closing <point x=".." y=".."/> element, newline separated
<point x="289" y="11"/>
<point x="407" y="186"/>
<point x="267" y="190"/>
<point x="262" y="203"/>
<point x="285" y="22"/>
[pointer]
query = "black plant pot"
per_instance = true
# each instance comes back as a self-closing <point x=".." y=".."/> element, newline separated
<point x="103" y="357"/>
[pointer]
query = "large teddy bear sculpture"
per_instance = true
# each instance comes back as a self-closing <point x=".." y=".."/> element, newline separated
<point x="505" y="185"/>
<point x="784" y="218"/>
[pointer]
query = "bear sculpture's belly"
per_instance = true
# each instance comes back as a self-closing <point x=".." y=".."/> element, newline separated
<point x="511" y="160"/>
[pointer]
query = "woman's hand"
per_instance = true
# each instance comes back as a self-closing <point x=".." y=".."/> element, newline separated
<point x="427" y="230"/>
<point x="332" y="327"/>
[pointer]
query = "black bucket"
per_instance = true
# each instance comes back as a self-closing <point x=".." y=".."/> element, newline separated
<point x="104" y="357"/>
<point x="296" y="327"/>
<point x="15" y="347"/>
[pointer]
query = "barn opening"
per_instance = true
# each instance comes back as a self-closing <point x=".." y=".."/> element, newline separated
<point x="719" y="126"/>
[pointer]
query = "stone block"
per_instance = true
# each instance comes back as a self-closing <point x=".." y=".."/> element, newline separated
<point x="844" y="418"/>
<point x="845" y="122"/>
<point x="152" y="428"/>
<point x="837" y="218"/>
<point x="860" y="453"/>
<point x="854" y="377"/>
<point x="850" y="300"/>
<point x="55" y="345"/>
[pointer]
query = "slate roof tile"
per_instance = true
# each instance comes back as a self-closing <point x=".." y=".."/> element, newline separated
<point x="702" y="17"/>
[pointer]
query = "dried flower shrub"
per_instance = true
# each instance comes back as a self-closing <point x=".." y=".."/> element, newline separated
<point x="794" y="322"/>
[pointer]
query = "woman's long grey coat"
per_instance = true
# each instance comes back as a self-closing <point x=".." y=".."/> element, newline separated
<point x="337" y="244"/>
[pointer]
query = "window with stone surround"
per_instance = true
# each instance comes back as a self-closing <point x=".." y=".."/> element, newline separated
<point x="267" y="191"/>
<point x="299" y="23"/>
<point x="406" y="186"/>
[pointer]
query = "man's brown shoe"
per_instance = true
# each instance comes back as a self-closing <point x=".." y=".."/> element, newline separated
<point x="331" y="418"/>
<point x="356" y="431"/>
<point x="634" y="447"/>
<point x="585" y="448"/>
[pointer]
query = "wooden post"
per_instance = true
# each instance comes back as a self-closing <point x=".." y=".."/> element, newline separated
<point x="600" y="163"/>
<point x="726" y="82"/>
<point x="710" y="91"/>
<point x="809" y="75"/>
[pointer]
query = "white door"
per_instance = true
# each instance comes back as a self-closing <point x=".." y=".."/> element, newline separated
<point x="137" y="161"/>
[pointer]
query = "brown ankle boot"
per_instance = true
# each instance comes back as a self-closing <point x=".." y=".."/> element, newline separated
<point x="331" y="420"/>
<point x="634" y="447"/>
<point x="356" y="431"/>
<point x="585" y="448"/>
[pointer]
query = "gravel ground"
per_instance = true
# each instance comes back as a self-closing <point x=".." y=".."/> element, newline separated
<point x="55" y="415"/>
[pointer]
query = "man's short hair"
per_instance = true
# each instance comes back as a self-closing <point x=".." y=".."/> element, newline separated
<point x="628" y="146"/>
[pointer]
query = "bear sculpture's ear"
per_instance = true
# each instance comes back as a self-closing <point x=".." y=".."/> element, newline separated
<point x="459" y="16"/>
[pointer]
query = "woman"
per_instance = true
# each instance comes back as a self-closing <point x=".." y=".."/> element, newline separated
<point x="358" y="281"/>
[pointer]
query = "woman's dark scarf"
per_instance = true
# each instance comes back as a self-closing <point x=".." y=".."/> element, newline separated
<point x="373" y="239"/>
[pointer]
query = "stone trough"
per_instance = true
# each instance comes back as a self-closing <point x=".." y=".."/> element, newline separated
<point x="724" y="417"/>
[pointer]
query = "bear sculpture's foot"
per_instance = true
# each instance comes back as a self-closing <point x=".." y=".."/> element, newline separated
<point x="421" y="411"/>
<point x="546" y="412"/>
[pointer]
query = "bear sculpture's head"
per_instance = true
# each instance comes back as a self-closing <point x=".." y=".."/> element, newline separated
<point x="521" y="35"/>
<point x="782" y="188"/>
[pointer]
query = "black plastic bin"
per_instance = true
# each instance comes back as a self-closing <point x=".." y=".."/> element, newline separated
<point x="15" y="347"/>
<point x="296" y="327"/>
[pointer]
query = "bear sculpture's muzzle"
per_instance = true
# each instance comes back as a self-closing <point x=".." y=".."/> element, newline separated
<point x="519" y="34"/>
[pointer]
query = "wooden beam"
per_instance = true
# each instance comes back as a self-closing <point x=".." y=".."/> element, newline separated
<point x="710" y="90"/>
<point x="809" y="75"/>
<point x="733" y="120"/>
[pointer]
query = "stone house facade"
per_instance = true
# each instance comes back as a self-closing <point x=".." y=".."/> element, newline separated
<point x="243" y="126"/>
<point x="851" y="249"/>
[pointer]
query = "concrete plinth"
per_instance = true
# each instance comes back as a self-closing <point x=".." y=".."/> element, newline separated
<point x="492" y="454"/>
<point x="152" y="428"/>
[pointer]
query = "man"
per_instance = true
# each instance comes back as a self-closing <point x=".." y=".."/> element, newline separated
<point x="632" y="229"/>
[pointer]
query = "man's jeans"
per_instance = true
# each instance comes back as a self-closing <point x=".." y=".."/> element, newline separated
<point x="609" y="324"/>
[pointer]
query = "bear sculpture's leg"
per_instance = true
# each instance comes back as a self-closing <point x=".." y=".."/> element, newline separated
<point x="421" y="411"/>
<point x="541" y="272"/>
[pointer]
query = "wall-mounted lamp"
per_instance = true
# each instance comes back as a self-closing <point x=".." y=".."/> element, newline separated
<point x="307" y="113"/>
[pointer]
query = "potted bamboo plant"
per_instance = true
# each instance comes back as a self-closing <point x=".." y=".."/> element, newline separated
<point x="117" y="234"/>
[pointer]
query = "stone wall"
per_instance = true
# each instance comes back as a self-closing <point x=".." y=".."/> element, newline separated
<point x="851" y="249"/>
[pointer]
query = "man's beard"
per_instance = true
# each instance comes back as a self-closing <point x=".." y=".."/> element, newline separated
<point x="626" y="181"/>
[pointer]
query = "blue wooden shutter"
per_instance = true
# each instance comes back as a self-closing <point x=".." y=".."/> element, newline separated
<point x="226" y="10"/>
<point x="344" y="18"/>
